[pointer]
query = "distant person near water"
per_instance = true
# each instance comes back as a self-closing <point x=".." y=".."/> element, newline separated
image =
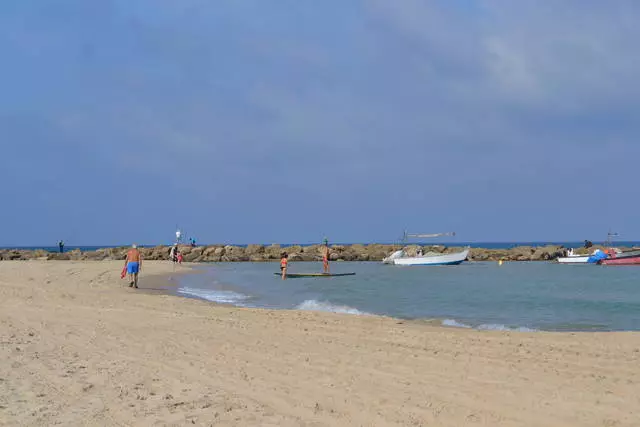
<point x="61" y="246"/>
<point x="193" y="242"/>
<point x="174" y="254"/>
<point x="284" y="263"/>
<point x="325" y="257"/>
<point x="587" y="244"/>
<point x="133" y="262"/>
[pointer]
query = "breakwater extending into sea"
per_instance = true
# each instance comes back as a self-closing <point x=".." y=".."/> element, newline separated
<point x="265" y="253"/>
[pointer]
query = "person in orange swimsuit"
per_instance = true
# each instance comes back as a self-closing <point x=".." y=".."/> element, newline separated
<point x="325" y="257"/>
<point x="284" y="263"/>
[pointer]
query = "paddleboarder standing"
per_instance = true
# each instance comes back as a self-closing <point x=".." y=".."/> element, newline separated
<point x="284" y="263"/>
<point x="325" y="257"/>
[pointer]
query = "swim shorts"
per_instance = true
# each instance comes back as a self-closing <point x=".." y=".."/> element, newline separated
<point x="133" y="267"/>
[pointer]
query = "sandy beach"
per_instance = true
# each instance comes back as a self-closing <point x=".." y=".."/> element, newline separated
<point x="78" y="347"/>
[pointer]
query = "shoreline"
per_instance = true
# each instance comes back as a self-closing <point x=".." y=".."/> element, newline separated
<point x="79" y="346"/>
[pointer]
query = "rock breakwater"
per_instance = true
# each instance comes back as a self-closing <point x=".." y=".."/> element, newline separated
<point x="260" y="253"/>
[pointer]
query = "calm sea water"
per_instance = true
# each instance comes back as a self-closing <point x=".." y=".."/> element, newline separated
<point x="514" y="296"/>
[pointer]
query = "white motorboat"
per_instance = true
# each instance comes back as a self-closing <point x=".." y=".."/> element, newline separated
<point x="431" y="258"/>
<point x="400" y="257"/>
<point x="577" y="259"/>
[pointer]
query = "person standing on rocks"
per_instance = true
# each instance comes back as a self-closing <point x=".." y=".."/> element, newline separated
<point x="61" y="246"/>
<point x="325" y="257"/>
<point x="133" y="262"/>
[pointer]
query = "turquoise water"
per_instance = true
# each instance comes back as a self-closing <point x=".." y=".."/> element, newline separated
<point x="514" y="296"/>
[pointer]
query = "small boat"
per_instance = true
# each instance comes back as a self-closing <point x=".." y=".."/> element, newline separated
<point x="433" y="259"/>
<point x="597" y="255"/>
<point x="624" y="260"/>
<point x="573" y="258"/>
<point x="628" y="254"/>
<point x="430" y="258"/>
<point x="631" y="257"/>
<point x="298" y="275"/>
<point x="618" y="257"/>
<point x="576" y="259"/>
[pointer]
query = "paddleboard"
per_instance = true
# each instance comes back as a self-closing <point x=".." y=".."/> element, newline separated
<point x="295" y="275"/>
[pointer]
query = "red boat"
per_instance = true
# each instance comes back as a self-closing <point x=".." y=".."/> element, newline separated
<point x="629" y="260"/>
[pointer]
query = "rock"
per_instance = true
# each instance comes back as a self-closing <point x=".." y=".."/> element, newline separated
<point x="546" y="253"/>
<point x="211" y="250"/>
<point x="254" y="249"/>
<point x="191" y="256"/>
<point x="234" y="253"/>
<point x="378" y="252"/>
<point x="58" y="256"/>
<point x="259" y="253"/>
<point x="295" y="249"/>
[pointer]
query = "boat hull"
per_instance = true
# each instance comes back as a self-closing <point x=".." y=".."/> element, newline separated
<point x="628" y="254"/>
<point x="445" y="259"/>
<point x="300" y="275"/>
<point x="630" y="260"/>
<point x="574" y="259"/>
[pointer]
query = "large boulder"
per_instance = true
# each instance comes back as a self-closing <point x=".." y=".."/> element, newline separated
<point x="378" y="252"/>
<point x="294" y="249"/>
<point x="254" y="250"/>
<point x="273" y="251"/>
<point x="211" y="250"/>
<point x="546" y="253"/>
<point x="98" y="255"/>
<point x="58" y="256"/>
<point x="234" y="254"/>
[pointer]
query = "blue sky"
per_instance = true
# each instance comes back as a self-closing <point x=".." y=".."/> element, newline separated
<point x="254" y="121"/>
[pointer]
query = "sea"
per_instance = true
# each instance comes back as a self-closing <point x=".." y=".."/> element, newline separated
<point x="514" y="296"/>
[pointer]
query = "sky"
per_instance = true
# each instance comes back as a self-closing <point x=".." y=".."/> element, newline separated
<point x="248" y="121"/>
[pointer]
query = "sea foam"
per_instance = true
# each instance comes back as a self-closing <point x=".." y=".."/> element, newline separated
<point x="498" y="327"/>
<point x="313" y="305"/>
<point x="454" y="323"/>
<point x="486" y="326"/>
<point x="219" y="296"/>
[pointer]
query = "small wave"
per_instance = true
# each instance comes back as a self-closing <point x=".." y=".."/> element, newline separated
<point x="486" y="326"/>
<point x="223" y="297"/>
<point x="498" y="327"/>
<point x="313" y="305"/>
<point x="455" y="324"/>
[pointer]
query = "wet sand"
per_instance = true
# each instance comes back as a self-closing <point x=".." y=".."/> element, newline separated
<point x="78" y="347"/>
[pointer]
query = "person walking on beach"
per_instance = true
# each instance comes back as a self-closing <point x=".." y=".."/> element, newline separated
<point x="325" y="257"/>
<point x="133" y="262"/>
<point x="284" y="263"/>
<point x="61" y="246"/>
